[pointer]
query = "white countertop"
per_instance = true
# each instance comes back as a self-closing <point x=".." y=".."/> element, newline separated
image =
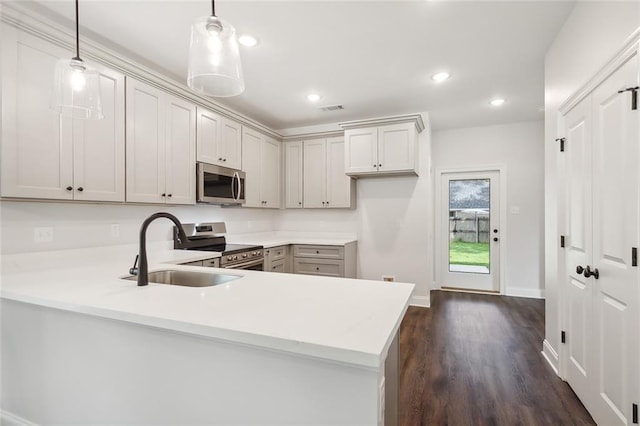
<point x="280" y="238"/>
<point x="344" y="320"/>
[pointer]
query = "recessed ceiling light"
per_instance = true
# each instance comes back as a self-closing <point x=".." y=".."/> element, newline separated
<point x="497" y="101"/>
<point x="313" y="97"/>
<point x="247" y="40"/>
<point x="440" y="77"/>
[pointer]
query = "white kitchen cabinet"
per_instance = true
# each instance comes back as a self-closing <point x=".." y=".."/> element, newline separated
<point x="261" y="162"/>
<point x="160" y="146"/>
<point x="276" y="259"/>
<point x="219" y="140"/>
<point x="333" y="261"/>
<point x="325" y="183"/>
<point x="44" y="155"/>
<point x="293" y="172"/>
<point x="389" y="149"/>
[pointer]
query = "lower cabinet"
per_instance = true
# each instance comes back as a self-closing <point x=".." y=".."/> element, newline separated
<point x="330" y="261"/>
<point x="207" y="263"/>
<point x="276" y="259"/>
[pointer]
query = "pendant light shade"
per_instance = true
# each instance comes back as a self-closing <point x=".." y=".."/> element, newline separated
<point x="76" y="87"/>
<point x="76" y="90"/>
<point x="214" y="58"/>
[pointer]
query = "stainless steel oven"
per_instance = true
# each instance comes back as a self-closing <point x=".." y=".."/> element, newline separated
<point x="252" y="265"/>
<point x="219" y="185"/>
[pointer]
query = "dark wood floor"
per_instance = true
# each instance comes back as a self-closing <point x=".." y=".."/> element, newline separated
<point x="475" y="360"/>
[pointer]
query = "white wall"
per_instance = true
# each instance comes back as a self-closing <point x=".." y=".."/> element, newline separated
<point x="591" y="36"/>
<point x="519" y="148"/>
<point x="392" y="222"/>
<point x="77" y="225"/>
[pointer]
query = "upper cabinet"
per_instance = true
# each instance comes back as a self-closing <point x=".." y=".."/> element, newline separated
<point x="314" y="175"/>
<point x="48" y="157"/>
<point x="161" y="141"/>
<point x="382" y="149"/>
<point x="261" y="163"/>
<point x="325" y="183"/>
<point x="219" y="140"/>
<point x="293" y="167"/>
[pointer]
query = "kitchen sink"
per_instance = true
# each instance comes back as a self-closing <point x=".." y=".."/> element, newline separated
<point x="187" y="278"/>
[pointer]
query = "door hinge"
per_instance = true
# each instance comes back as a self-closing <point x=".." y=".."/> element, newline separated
<point x="634" y="413"/>
<point x="563" y="337"/>
<point x="562" y="241"/>
<point x="634" y="96"/>
<point x="562" y="141"/>
<point x="634" y="256"/>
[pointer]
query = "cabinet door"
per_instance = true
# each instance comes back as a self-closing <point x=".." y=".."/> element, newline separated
<point x="231" y="144"/>
<point x="251" y="142"/>
<point x="293" y="161"/>
<point x="208" y="140"/>
<point x="338" y="183"/>
<point x="36" y="150"/>
<point x="145" y="143"/>
<point x="396" y="148"/>
<point x="270" y="173"/>
<point x="98" y="145"/>
<point x="180" y="147"/>
<point x="361" y="150"/>
<point x="315" y="173"/>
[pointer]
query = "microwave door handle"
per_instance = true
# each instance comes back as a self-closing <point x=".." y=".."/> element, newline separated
<point x="233" y="186"/>
<point x="236" y="177"/>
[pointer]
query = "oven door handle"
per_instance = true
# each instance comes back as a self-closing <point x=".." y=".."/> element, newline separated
<point x="244" y="265"/>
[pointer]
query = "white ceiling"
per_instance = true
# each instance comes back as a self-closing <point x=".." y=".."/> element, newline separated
<point x="374" y="58"/>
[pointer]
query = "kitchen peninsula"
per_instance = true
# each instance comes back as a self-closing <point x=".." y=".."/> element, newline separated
<point x="266" y="348"/>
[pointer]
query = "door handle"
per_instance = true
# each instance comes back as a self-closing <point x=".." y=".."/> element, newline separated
<point x="589" y="273"/>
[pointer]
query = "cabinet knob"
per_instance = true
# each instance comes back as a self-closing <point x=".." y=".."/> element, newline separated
<point x="317" y="251"/>
<point x="299" y="203"/>
<point x="327" y="203"/>
<point x="69" y="188"/>
<point x="379" y="165"/>
<point x="220" y="159"/>
<point x="80" y="189"/>
<point x="375" y="165"/>
<point x="323" y="203"/>
<point x="163" y="195"/>
<point x="169" y="195"/>
<point x="317" y="268"/>
<point x="274" y="267"/>
<point x="224" y="159"/>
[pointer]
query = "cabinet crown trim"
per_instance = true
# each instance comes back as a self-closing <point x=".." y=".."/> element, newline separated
<point x="381" y="121"/>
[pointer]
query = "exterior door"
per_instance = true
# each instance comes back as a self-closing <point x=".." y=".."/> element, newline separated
<point x="470" y="234"/>
<point x="602" y="159"/>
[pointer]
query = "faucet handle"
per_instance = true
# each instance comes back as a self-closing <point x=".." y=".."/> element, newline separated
<point x="133" y="270"/>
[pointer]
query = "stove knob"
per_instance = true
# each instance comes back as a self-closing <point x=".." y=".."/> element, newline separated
<point x="244" y="255"/>
<point x="235" y="257"/>
<point x="254" y="253"/>
<point x="229" y="258"/>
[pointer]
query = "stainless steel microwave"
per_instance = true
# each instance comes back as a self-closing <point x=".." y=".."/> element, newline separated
<point x="219" y="185"/>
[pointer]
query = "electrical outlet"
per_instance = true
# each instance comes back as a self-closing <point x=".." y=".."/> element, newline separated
<point x="43" y="235"/>
<point x="115" y="230"/>
<point x="389" y="278"/>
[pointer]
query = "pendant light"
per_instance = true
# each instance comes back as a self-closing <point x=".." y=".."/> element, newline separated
<point x="76" y="89"/>
<point x="214" y="57"/>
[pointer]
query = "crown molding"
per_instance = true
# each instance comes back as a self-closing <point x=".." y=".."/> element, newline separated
<point x="25" y="19"/>
<point x="381" y="121"/>
<point x="313" y="135"/>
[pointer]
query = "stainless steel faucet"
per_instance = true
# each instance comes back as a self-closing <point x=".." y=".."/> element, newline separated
<point x="142" y="271"/>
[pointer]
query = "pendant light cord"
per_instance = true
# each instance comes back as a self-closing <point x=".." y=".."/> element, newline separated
<point x="77" y="35"/>
<point x="213" y="7"/>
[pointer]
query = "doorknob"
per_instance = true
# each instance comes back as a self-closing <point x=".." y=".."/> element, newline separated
<point x="495" y="238"/>
<point x="589" y="273"/>
<point x="495" y="231"/>
<point x="579" y="269"/>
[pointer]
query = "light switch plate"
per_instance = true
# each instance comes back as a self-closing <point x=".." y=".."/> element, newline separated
<point x="43" y="234"/>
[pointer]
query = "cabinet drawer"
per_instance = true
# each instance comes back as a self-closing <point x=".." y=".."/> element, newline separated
<point x="278" y="266"/>
<point x="194" y="263"/>
<point x="319" y="252"/>
<point x="211" y="263"/>
<point x="325" y="267"/>
<point x="277" y="253"/>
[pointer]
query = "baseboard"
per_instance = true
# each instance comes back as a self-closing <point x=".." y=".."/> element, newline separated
<point x="421" y="301"/>
<point x="10" y="419"/>
<point x="531" y="293"/>
<point x="550" y="355"/>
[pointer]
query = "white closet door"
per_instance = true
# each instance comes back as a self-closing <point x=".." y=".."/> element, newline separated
<point x="615" y="232"/>
<point x="579" y="291"/>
